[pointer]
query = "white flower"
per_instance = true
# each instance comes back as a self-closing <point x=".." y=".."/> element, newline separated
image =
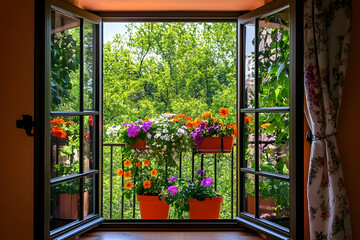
<point x="132" y="150"/>
<point x="165" y="130"/>
<point x="162" y="137"/>
<point x="148" y="136"/>
<point x="179" y="134"/>
<point x="157" y="135"/>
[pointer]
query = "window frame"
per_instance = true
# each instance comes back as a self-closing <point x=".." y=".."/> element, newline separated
<point x="42" y="114"/>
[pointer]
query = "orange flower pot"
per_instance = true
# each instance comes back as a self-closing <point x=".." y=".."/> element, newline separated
<point x="207" y="209"/>
<point x="266" y="205"/>
<point x="140" y="145"/>
<point x="213" y="145"/>
<point x="68" y="205"/>
<point x="152" y="208"/>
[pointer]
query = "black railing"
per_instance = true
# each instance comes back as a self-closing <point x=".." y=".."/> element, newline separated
<point x="127" y="209"/>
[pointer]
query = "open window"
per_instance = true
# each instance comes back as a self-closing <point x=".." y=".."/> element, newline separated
<point x="68" y="169"/>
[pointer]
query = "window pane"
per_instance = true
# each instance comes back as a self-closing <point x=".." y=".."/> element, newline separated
<point x="274" y="60"/>
<point x="249" y="138"/>
<point x="89" y="66"/>
<point x="64" y="203"/>
<point x="274" y="200"/>
<point x="274" y="142"/>
<point x="250" y="65"/>
<point x="65" y="62"/>
<point x="250" y="193"/>
<point x="89" y="143"/>
<point x="89" y="195"/>
<point x="65" y="145"/>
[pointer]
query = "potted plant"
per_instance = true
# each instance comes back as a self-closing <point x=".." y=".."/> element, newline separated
<point x="197" y="197"/>
<point x="135" y="133"/>
<point x="146" y="182"/>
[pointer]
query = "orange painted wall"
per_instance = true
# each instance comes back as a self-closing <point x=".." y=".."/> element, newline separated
<point x="16" y="98"/>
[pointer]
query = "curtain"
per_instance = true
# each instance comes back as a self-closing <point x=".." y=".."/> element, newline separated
<point x="327" y="30"/>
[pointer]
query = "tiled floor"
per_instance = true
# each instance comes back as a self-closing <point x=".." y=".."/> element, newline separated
<point x="145" y="235"/>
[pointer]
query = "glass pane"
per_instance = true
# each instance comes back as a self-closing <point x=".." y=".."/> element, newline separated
<point x="65" y="62"/>
<point x="89" y="67"/>
<point x="64" y="203"/>
<point x="250" y="193"/>
<point x="250" y="64"/>
<point x="274" y="200"/>
<point x="89" y="143"/>
<point x="89" y="195"/>
<point x="249" y="138"/>
<point x="65" y="145"/>
<point x="274" y="59"/>
<point x="274" y="142"/>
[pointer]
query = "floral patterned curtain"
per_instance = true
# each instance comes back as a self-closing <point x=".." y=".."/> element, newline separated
<point x="327" y="30"/>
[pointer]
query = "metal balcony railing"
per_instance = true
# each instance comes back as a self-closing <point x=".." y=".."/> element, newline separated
<point x="221" y="167"/>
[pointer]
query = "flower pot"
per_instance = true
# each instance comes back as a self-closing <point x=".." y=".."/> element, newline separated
<point x="207" y="209"/>
<point x="214" y="145"/>
<point x="68" y="205"/>
<point x="140" y="145"/>
<point x="152" y="208"/>
<point x="266" y="206"/>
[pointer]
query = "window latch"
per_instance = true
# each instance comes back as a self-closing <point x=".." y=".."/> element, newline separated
<point x="26" y="123"/>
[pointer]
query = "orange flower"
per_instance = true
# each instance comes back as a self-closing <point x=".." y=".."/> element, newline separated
<point x="224" y="111"/>
<point x="58" y="132"/>
<point x="248" y="118"/>
<point x="265" y="125"/>
<point x="119" y="172"/>
<point x="57" y="121"/>
<point x="154" y="172"/>
<point x="206" y="115"/>
<point x="168" y="113"/>
<point x="91" y="121"/>
<point x="232" y="126"/>
<point x="147" y="119"/>
<point x="127" y="163"/>
<point x="190" y="125"/>
<point x="147" y="184"/>
<point x="175" y="118"/>
<point x="127" y="175"/>
<point x="138" y="164"/>
<point x="197" y="122"/>
<point x="188" y="119"/>
<point x="72" y="122"/>
<point x="129" y="184"/>
<point x="222" y="123"/>
<point x="146" y="162"/>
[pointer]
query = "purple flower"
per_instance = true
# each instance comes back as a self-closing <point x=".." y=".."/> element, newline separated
<point x="173" y="190"/>
<point x="202" y="125"/>
<point x="127" y="124"/>
<point x="172" y="179"/>
<point x="139" y="120"/>
<point x="197" y="137"/>
<point x="201" y="172"/>
<point x="207" y="181"/>
<point x="146" y="126"/>
<point x="133" y="130"/>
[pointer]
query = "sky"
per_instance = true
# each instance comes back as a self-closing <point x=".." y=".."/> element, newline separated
<point x="110" y="29"/>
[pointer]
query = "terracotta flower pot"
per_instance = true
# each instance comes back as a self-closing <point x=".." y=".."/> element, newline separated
<point x="152" y="208"/>
<point x="207" y="209"/>
<point x="68" y="205"/>
<point x="140" y="145"/>
<point x="213" y="145"/>
<point x="266" y="205"/>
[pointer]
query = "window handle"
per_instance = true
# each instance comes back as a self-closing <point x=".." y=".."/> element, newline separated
<point x="27" y="124"/>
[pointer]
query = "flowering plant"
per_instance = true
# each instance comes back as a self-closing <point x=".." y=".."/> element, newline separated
<point x="141" y="176"/>
<point x="136" y="130"/>
<point x="181" y="190"/>
<point x="61" y="128"/>
<point x="209" y="126"/>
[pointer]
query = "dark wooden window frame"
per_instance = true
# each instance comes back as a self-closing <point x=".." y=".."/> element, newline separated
<point x="42" y="113"/>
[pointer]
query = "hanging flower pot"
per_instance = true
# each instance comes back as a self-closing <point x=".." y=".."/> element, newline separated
<point x="207" y="209"/>
<point x="152" y="208"/>
<point x="216" y="145"/>
<point x="140" y="145"/>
